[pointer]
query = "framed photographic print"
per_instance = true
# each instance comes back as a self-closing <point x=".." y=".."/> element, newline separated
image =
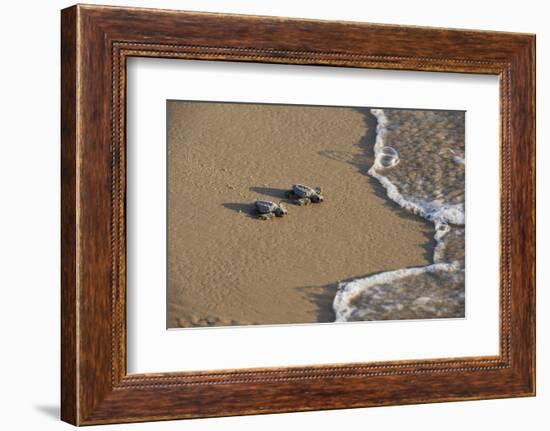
<point x="265" y="215"/>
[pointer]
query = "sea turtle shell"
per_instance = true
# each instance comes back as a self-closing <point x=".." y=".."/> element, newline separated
<point x="266" y="207"/>
<point x="303" y="191"/>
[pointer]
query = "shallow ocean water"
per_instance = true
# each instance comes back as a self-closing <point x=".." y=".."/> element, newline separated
<point x="420" y="161"/>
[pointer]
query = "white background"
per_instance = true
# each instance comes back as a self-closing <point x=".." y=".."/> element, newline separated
<point x="151" y="348"/>
<point x="29" y="219"/>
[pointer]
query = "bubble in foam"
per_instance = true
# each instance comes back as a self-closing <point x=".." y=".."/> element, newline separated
<point x="388" y="157"/>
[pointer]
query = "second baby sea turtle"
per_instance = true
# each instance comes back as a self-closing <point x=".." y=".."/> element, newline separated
<point x="268" y="209"/>
<point x="304" y="195"/>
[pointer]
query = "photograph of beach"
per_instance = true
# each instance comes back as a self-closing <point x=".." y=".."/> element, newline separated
<point x="295" y="214"/>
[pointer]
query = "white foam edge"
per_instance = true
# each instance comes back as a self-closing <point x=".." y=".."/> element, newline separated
<point x="432" y="211"/>
<point x="349" y="290"/>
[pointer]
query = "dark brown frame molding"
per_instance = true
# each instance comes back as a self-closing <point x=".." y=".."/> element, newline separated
<point x="95" y="43"/>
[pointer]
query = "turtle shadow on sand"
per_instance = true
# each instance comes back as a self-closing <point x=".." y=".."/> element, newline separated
<point x="239" y="207"/>
<point x="272" y="192"/>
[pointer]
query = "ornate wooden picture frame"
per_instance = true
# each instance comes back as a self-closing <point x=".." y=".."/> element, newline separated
<point x="96" y="41"/>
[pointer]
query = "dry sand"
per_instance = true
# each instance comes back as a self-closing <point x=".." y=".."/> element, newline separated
<point x="227" y="268"/>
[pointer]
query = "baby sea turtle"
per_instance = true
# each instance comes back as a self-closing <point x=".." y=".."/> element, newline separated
<point x="268" y="209"/>
<point x="304" y="195"/>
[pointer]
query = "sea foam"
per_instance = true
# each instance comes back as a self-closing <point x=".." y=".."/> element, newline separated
<point x="425" y="178"/>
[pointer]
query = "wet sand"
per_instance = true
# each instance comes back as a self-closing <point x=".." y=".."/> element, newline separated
<point x="225" y="267"/>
